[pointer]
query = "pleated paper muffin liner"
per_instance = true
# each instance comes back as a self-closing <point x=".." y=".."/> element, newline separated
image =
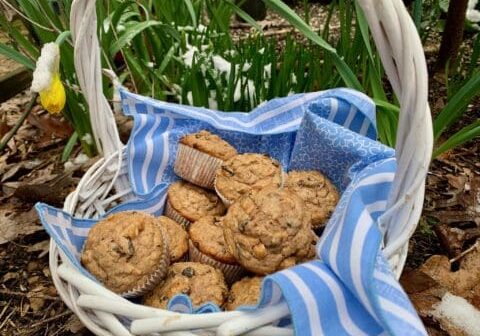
<point x="171" y="213"/>
<point x="231" y="273"/>
<point x="196" y="167"/>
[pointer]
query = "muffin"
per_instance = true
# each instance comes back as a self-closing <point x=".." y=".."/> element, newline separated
<point x="269" y="230"/>
<point x="199" y="155"/>
<point x="177" y="239"/>
<point x="244" y="293"/>
<point x="187" y="203"/>
<point x="202" y="283"/>
<point x="127" y="252"/>
<point x="245" y="172"/>
<point x="207" y="245"/>
<point x="318" y="193"/>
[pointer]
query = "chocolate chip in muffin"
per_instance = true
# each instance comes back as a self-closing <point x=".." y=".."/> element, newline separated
<point x="245" y="172"/>
<point x="202" y="283"/>
<point x="269" y="230"/>
<point x="127" y="252"/>
<point x="318" y="193"/>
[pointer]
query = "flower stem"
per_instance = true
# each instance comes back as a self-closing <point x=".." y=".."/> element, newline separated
<point x="19" y="123"/>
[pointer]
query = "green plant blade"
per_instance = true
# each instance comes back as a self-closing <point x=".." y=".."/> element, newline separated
<point x="191" y="11"/>
<point x="244" y="15"/>
<point x="135" y="29"/>
<point x="456" y="105"/>
<point x="67" y="151"/>
<point x="465" y="134"/>
<point x="343" y="69"/>
<point x="16" y="56"/>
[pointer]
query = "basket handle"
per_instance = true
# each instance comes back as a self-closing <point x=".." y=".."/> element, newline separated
<point x="402" y="55"/>
<point x="83" y="25"/>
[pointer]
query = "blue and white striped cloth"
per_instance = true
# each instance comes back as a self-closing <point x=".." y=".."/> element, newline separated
<point x="350" y="289"/>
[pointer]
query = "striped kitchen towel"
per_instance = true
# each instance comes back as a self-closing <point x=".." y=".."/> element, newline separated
<point x="349" y="289"/>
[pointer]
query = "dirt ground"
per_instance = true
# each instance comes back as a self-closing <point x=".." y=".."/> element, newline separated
<point x="30" y="171"/>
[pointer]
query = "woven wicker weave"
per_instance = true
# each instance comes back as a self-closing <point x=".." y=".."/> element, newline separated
<point x="101" y="310"/>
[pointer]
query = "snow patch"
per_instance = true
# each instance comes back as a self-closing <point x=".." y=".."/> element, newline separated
<point x="460" y="313"/>
<point x="47" y="65"/>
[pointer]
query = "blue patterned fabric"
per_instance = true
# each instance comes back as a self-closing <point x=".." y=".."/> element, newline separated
<point x="349" y="289"/>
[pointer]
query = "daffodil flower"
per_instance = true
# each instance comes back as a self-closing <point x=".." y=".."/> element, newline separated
<point x="46" y="79"/>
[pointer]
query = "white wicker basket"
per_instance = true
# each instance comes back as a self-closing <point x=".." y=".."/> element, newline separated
<point x="101" y="310"/>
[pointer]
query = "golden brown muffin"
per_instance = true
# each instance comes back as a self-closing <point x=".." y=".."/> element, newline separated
<point x="202" y="283"/>
<point x="244" y="293"/>
<point x="127" y="252"/>
<point x="210" y="144"/>
<point x="207" y="245"/>
<point x="318" y="193"/>
<point x="187" y="203"/>
<point x="245" y="172"/>
<point x="177" y="238"/>
<point x="269" y="230"/>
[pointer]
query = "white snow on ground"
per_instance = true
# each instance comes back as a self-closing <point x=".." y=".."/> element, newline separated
<point x="473" y="14"/>
<point x="221" y="64"/>
<point x="188" y="56"/>
<point x="459" y="313"/>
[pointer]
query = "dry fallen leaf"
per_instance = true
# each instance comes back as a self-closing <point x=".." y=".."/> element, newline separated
<point x="464" y="282"/>
<point x="13" y="225"/>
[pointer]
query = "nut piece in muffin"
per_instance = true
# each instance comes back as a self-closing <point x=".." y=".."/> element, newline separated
<point x="188" y="203"/>
<point x="177" y="238"/>
<point x="245" y="172"/>
<point x="207" y="245"/>
<point x="244" y="293"/>
<point x="269" y="230"/>
<point x="199" y="155"/>
<point x="318" y="193"/>
<point x="202" y="283"/>
<point x="127" y="252"/>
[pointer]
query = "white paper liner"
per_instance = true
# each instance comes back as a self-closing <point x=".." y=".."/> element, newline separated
<point x="196" y="167"/>
<point x="231" y="273"/>
<point x="171" y="213"/>
<point x="157" y="276"/>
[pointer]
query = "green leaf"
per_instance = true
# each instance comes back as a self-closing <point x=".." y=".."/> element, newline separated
<point x="136" y="28"/>
<point x="387" y="121"/>
<point x="191" y="11"/>
<point x="67" y="151"/>
<point x="244" y="15"/>
<point x="16" y="56"/>
<point x="465" y="134"/>
<point x="344" y="70"/>
<point x="456" y="105"/>
<point x="417" y="14"/>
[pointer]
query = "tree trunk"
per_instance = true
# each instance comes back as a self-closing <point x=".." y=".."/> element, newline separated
<point x="453" y="34"/>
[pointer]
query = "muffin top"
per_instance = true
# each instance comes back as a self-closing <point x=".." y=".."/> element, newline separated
<point x="193" y="202"/>
<point x="202" y="283"/>
<point x="124" y="250"/>
<point x="244" y="293"/>
<point x="177" y="238"/>
<point x="207" y="235"/>
<point x="245" y="172"/>
<point x="210" y="144"/>
<point x="269" y="230"/>
<point x="318" y="193"/>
